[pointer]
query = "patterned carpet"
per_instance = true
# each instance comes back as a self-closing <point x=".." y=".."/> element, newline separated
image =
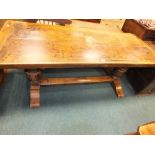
<point x="75" y="109"/>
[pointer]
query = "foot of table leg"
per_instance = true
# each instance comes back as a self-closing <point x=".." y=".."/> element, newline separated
<point x="116" y="82"/>
<point x="34" y="76"/>
<point x="2" y="76"/>
<point x="34" y="95"/>
<point x="118" y="88"/>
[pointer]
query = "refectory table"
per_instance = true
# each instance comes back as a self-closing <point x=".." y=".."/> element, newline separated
<point x="35" y="47"/>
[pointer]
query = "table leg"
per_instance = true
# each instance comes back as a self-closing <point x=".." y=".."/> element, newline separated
<point x="2" y="76"/>
<point x="36" y="81"/>
<point x="116" y="83"/>
<point x="34" y="76"/>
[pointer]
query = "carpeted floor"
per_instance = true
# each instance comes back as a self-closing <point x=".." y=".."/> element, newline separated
<point x="75" y="109"/>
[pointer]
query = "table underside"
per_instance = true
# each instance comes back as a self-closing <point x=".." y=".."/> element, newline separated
<point x="37" y="80"/>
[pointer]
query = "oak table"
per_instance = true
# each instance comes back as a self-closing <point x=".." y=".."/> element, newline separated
<point x="35" y="47"/>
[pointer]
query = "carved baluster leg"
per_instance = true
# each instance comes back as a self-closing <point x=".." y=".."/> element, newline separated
<point x="2" y="76"/>
<point x="34" y="76"/>
<point x="116" y="83"/>
<point x="119" y="72"/>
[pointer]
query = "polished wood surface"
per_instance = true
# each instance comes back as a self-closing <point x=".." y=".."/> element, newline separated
<point x="147" y="129"/>
<point x="29" y="45"/>
<point x="89" y="25"/>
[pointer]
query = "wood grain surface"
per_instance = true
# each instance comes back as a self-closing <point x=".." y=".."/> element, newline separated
<point x="147" y="129"/>
<point x="31" y="45"/>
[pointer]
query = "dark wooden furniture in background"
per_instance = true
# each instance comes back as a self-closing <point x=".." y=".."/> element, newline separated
<point x="33" y="47"/>
<point x="91" y="20"/>
<point x="142" y="80"/>
<point x="140" y="30"/>
<point x="63" y="21"/>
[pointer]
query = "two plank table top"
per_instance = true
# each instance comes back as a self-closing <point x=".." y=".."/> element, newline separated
<point x="35" y="47"/>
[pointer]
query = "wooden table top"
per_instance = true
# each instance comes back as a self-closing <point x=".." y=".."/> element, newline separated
<point x="31" y="45"/>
